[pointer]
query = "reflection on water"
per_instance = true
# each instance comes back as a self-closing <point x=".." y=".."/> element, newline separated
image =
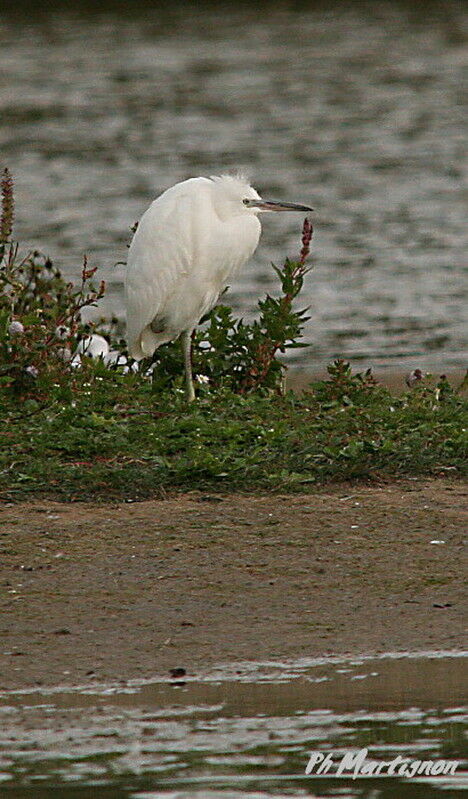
<point x="356" y="109"/>
<point x="239" y="734"/>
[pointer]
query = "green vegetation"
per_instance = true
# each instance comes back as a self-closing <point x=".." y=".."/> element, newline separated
<point x="105" y="431"/>
<point x="116" y="437"/>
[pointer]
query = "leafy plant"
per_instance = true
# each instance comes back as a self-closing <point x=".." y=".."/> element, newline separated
<point x="116" y="438"/>
<point x="40" y="312"/>
<point x="244" y="356"/>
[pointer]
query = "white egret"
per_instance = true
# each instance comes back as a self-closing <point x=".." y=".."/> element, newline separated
<point x="188" y="244"/>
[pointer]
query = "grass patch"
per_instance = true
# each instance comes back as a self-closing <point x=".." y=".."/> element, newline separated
<point x="114" y="436"/>
<point x="82" y="424"/>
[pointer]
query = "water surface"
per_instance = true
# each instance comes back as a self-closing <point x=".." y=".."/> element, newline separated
<point x="356" y="109"/>
<point x="238" y="732"/>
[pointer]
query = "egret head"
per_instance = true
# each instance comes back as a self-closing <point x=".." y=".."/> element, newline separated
<point x="235" y="195"/>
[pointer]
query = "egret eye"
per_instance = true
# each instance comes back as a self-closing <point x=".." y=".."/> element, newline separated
<point x="246" y="202"/>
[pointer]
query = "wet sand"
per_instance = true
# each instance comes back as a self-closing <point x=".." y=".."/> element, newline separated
<point x="122" y="591"/>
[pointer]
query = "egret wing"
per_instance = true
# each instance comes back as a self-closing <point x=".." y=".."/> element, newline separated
<point x="161" y="253"/>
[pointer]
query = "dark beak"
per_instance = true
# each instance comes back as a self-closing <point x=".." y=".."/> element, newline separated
<point x="272" y="205"/>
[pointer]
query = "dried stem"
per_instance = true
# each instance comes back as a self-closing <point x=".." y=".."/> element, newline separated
<point x="267" y="351"/>
<point x="307" y="233"/>
<point x="8" y="206"/>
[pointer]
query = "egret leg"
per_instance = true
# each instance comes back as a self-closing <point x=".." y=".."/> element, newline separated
<point x="186" y="341"/>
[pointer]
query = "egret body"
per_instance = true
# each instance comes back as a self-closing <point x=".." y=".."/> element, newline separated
<point x="187" y="246"/>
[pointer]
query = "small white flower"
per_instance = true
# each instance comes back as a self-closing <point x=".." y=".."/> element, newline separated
<point x="32" y="371"/>
<point x="129" y="369"/>
<point x="114" y="358"/>
<point x="62" y="332"/>
<point x="202" y="379"/>
<point x="64" y="354"/>
<point x="150" y="370"/>
<point x="15" y="329"/>
<point x="75" y="362"/>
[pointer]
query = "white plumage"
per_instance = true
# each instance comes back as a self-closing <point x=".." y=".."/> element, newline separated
<point x="188" y="245"/>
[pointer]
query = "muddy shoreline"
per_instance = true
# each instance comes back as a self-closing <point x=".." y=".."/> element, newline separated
<point x="124" y="591"/>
